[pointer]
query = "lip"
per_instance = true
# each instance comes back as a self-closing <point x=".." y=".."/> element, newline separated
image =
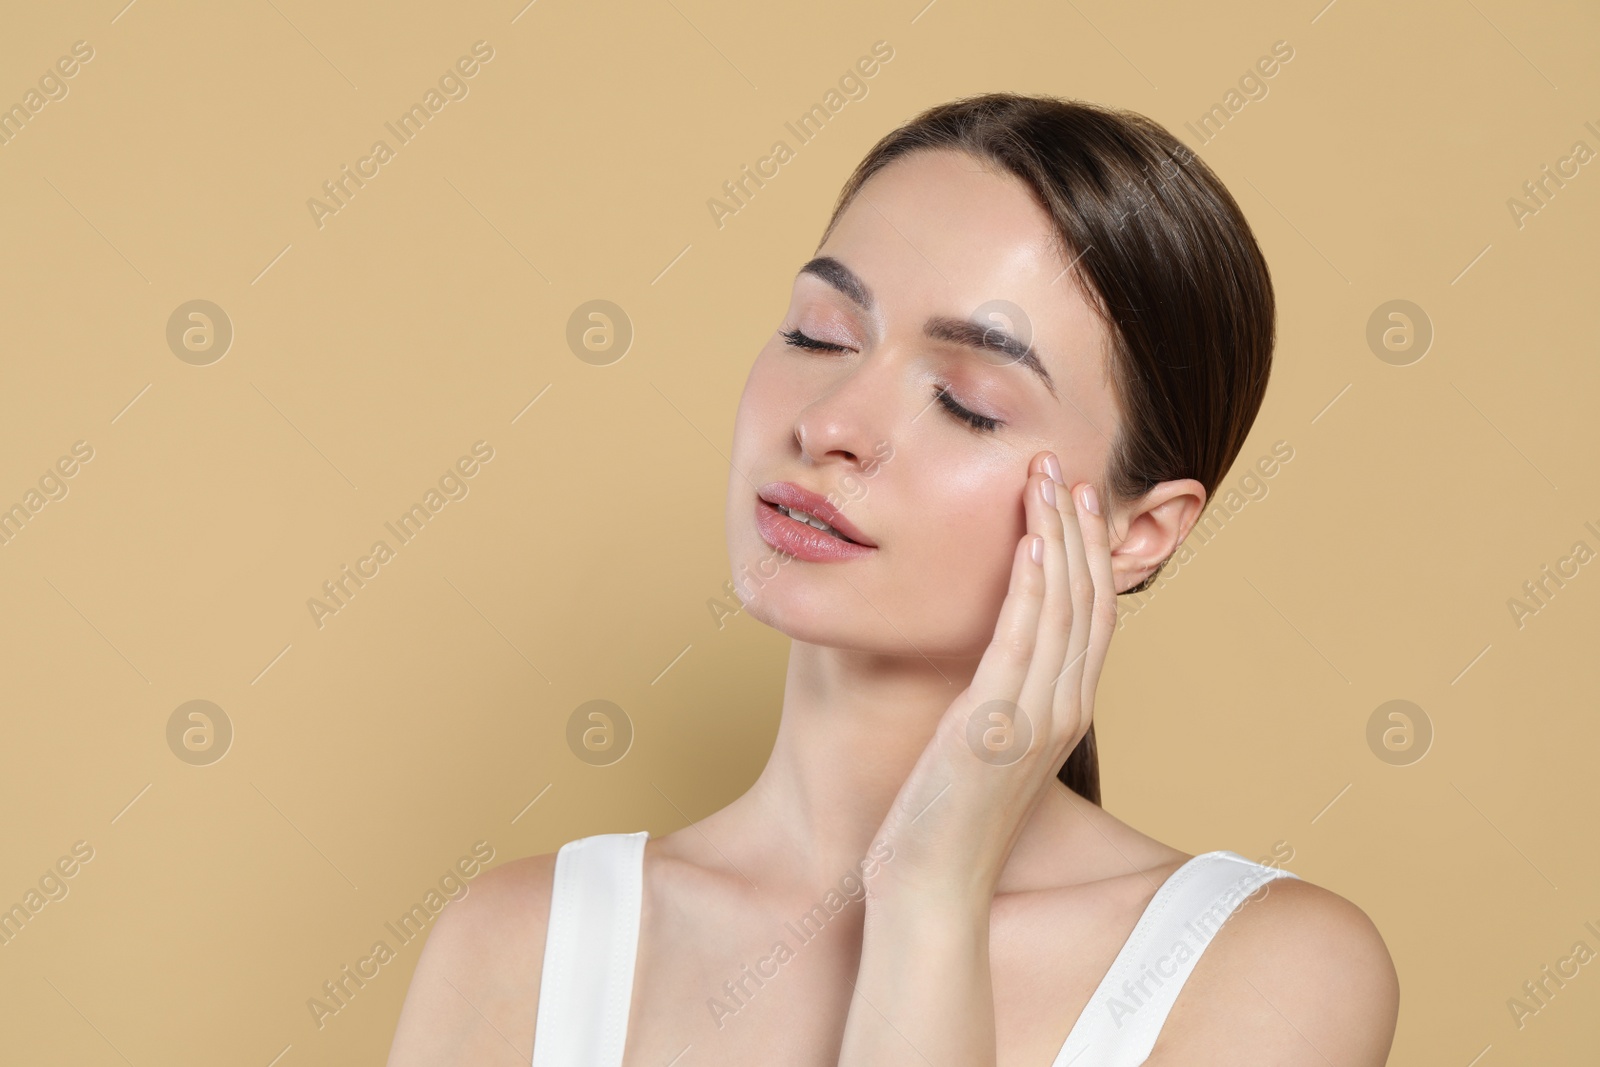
<point x="802" y="539"/>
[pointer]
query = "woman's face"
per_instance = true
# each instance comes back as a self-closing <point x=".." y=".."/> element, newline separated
<point x="931" y="241"/>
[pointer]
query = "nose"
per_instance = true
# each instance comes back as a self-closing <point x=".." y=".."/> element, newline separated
<point x="846" y="422"/>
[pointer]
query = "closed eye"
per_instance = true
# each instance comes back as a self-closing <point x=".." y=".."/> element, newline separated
<point x="981" y="423"/>
<point x="800" y="340"/>
<point x="971" y="418"/>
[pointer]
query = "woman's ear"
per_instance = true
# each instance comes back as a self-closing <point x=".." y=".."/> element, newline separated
<point x="1148" y="530"/>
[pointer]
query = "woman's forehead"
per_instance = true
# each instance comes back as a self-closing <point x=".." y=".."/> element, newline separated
<point x="940" y="220"/>
<point x="936" y="233"/>
<point x="954" y="215"/>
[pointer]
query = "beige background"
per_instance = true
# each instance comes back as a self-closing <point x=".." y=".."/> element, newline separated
<point x="369" y="354"/>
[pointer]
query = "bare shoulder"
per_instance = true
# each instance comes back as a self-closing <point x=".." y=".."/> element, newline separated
<point x="473" y="995"/>
<point x="1297" y="975"/>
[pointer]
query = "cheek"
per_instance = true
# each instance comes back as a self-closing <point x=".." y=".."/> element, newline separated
<point x="759" y="426"/>
<point x="765" y="407"/>
<point x="964" y="520"/>
<point x="974" y="500"/>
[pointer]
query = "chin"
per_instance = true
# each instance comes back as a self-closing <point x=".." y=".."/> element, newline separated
<point x="822" y="603"/>
<point x="805" y="606"/>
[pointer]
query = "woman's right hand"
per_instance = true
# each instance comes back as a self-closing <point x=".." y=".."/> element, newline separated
<point x="1030" y="702"/>
<point x="925" y="955"/>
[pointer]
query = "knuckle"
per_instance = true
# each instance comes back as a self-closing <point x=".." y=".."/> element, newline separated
<point x="1012" y="647"/>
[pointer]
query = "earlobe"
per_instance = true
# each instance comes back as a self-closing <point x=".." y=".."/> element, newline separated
<point x="1129" y="567"/>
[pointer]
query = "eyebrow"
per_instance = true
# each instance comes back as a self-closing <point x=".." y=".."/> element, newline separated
<point x="967" y="333"/>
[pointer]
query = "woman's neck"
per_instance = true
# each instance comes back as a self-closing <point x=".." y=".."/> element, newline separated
<point x="853" y="726"/>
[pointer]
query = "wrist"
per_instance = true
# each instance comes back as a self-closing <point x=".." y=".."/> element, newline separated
<point x="919" y="908"/>
<point x="944" y="885"/>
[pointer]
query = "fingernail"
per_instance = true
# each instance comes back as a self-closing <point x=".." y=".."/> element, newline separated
<point x="1036" y="550"/>
<point x="1091" y="502"/>
<point x="1053" y="469"/>
<point x="1048" y="490"/>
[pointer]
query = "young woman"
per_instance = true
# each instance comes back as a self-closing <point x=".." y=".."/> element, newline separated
<point x="1032" y="341"/>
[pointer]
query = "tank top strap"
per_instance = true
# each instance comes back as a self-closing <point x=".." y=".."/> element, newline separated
<point x="1119" y="1025"/>
<point x="591" y="943"/>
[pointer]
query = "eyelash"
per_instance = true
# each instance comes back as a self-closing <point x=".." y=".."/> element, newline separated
<point x="980" y="423"/>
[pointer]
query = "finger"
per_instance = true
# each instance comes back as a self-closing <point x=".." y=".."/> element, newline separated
<point x="1055" y="613"/>
<point x="1103" y="616"/>
<point x="1081" y="585"/>
<point x="1004" y="666"/>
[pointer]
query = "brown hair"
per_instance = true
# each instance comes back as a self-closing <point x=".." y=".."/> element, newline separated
<point x="1169" y="263"/>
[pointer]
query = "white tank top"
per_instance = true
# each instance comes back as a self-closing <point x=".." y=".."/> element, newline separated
<point x="592" y="941"/>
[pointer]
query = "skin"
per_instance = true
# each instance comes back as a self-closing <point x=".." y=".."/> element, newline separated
<point x="1006" y="899"/>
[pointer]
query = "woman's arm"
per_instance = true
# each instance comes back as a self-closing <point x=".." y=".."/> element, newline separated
<point x="1300" y="978"/>
<point x="923" y="993"/>
<point x="473" y="994"/>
